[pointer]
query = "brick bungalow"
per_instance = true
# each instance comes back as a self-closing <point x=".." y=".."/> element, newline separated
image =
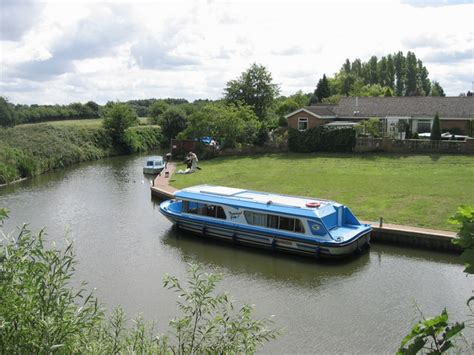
<point x="456" y="113"/>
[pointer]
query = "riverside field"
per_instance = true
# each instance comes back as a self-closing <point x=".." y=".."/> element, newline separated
<point x="415" y="190"/>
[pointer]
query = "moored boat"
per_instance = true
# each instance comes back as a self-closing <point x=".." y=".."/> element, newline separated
<point x="292" y="224"/>
<point x="154" y="165"/>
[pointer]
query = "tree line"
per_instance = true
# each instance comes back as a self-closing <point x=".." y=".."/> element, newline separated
<point x="391" y="75"/>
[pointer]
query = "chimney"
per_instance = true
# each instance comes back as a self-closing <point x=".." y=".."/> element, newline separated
<point x="356" y="111"/>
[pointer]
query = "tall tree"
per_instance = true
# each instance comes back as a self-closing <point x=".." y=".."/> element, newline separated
<point x="157" y="109"/>
<point x="411" y="61"/>
<point x="390" y="72"/>
<point x="373" y="75"/>
<point x="346" y="67"/>
<point x="436" y="89"/>
<point x="322" y="89"/>
<point x="254" y="88"/>
<point x="356" y="67"/>
<point x="382" y="70"/>
<point x="173" y="121"/>
<point x="119" y="117"/>
<point x="400" y="73"/>
<point x="424" y="80"/>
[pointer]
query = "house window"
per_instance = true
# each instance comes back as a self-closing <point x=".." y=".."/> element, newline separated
<point x="302" y="124"/>
<point x="424" y="126"/>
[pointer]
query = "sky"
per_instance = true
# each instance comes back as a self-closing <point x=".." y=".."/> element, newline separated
<point x="58" y="52"/>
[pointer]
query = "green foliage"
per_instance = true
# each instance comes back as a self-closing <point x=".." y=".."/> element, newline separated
<point x="229" y="124"/>
<point x="173" y="121"/>
<point x="464" y="217"/>
<point x="436" y="129"/>
<point x="117" y="118"/>
<point x="369" y="127"/>
<point x="394" y="75"/>
<point x="321" y="139"/>
<point x="29" y="150"/>
<point x="254" y="88"/>
<point x="434" y="335"/>
<point x="157" y="109"/>
<point x="209" y="324"/>
<point x="322" y="89"/>
<point x="40" y="313"/>
<point x="7" y="113"/>
<point x="436" y="89"/>
<point x="140" y="139"/>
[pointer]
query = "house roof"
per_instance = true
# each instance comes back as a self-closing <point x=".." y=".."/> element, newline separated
<point x="426" y="106"/>
<point x="319" y="111"/>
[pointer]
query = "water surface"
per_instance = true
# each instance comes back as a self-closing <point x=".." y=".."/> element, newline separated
<point x="125" y="247"/>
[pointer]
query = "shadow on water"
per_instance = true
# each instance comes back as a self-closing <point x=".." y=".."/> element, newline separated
<point x="276" y="266"/>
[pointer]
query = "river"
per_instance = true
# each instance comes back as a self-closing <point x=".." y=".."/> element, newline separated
<point x="124" y="248"/>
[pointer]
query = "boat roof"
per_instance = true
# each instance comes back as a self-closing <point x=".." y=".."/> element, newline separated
<point x="154" y="157"/>
<point x="257" y="200"/>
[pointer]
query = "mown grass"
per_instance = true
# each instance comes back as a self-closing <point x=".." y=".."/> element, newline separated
<point x="416" y="190"/>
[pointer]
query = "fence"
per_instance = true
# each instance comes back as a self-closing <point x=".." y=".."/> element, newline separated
<point x="390" y="145"/>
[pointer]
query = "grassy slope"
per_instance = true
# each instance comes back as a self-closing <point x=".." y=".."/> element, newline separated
<point x="32" y="149"/>
<point x="412" y="190"/>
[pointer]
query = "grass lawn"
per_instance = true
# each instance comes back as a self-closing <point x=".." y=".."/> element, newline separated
<point x="415" y="190"/>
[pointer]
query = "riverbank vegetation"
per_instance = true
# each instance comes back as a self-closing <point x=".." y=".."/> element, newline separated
<point x="29" y="150"/>
<point x="40" y="313"/>
<point x="416" y="190"/>
<point x="438" y="335"/>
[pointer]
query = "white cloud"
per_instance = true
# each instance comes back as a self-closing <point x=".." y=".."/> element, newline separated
<point x="70" y="51"/>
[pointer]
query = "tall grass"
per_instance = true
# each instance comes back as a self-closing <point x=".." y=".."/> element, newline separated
<point x="30" y="150"/>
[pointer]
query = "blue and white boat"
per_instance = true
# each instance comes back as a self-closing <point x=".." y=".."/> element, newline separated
<point x="154" y="165"/>
<point x="292" y="224"/>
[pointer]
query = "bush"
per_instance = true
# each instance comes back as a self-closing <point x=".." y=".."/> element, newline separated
<point x="321" y="139"/>
<point x="139" y="139"/>
<point x="41" y="314"/>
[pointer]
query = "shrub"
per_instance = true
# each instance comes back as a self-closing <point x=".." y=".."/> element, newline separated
<point x="41" y="314"/>
<point x="321" y="139"/>
<point x="436" y="129"/>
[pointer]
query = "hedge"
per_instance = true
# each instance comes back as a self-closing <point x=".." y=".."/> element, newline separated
<point x="321" y="139"/>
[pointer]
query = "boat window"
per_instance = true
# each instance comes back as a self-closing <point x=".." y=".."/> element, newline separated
<point x="256" y="219"/>
<point x="220" y="213"/>
<point x="298" y="226"/>
<point x="287" y="223"/>
<point x="272" y="221"/>
<point x="203" y="209"/>
<point x="149" y="163"/>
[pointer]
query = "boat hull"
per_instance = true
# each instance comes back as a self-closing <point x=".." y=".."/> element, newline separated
<point x="152" y="171"/>
<point x="246" y="236"/>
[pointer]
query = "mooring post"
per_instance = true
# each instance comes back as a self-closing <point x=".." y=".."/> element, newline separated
<point x="381" y="222"/>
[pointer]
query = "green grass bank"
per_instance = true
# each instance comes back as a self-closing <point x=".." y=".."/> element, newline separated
<point x="29" y="150"/>
<point x="414" y="190"/>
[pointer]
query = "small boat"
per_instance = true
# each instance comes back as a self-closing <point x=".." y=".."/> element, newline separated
<point x="293" y="224"/>
<point x="154" y="165"/>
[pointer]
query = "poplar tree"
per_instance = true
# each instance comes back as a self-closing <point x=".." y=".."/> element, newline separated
<point x="410" y="89"/>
